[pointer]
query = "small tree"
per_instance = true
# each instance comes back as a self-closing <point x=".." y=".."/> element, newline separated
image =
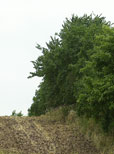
<point x="13" y="113"/>
<point x="17" y="114"/>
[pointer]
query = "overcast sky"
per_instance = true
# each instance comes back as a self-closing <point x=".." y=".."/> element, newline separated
<point x="23" y="23"/>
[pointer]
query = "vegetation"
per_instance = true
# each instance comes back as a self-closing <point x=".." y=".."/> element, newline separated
<point x="77" y="67"/>
<point x="16" y="114"/>
<point x="88" y="127"/>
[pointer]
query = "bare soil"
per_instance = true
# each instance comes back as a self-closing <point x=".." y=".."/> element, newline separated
<point x="33" y="135"/>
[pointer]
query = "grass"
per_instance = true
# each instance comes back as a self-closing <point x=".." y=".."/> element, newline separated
<point x="104" y="142"/>
<point x="91" y="130"/>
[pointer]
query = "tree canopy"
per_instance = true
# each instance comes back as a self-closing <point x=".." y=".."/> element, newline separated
<point x="77" y="67"/>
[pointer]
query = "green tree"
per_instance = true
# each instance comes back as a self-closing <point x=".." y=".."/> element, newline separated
<point x="96" y="98"/>
<point x="77" y="68"/>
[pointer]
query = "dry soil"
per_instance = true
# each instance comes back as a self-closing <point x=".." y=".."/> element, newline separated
<point x="33" y="135"/>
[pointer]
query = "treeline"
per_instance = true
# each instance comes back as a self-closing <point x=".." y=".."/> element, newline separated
<point x="77" y="67"/>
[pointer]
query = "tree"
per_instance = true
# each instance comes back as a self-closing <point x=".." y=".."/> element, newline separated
<point x="77" y="68"/>
<point x="96" y="98"/>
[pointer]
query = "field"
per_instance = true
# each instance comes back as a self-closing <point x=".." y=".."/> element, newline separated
<point x="39" y="135"/>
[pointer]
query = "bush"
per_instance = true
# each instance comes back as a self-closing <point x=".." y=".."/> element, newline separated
<point x="16" y="114"/>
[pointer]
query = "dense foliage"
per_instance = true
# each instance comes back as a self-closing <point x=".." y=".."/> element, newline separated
<point x="77" y="67"/>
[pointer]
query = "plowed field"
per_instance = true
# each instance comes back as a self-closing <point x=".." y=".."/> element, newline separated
<point x="32" y="135"/>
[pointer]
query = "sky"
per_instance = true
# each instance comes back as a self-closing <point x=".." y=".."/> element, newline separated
<point x="23" y="24"/>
